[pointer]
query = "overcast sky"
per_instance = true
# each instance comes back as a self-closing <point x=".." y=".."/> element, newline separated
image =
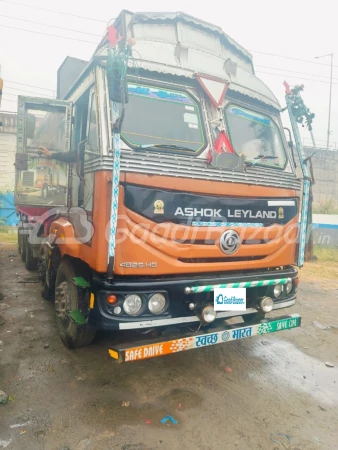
<point x="295" y="29"/>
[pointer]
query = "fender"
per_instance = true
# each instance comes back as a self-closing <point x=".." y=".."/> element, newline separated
<point x="62" y="234"/>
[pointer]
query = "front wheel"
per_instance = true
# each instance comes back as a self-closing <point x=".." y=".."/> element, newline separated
<point x="67" y="299"/>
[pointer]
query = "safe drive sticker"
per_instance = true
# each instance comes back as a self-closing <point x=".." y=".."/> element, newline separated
<point x="188" y="343"/>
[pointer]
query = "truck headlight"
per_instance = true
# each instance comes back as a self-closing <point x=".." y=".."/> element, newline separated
<point x="208" y="314"/>
<point x="132" y="304"/>
<point x="266" y="304"/>
<point x="157" y="304"/>
<point x="277" y="290"/>
<point x="289" y="286"/>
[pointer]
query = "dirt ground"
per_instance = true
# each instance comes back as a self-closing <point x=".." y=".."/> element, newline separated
<point x="279" y="395"/>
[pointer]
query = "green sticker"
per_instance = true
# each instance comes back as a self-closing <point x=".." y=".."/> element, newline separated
<point x="278" y="325"/>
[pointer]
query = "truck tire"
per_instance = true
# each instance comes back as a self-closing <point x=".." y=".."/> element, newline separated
<point x="21" y="244"/>
<point x="20" y="236"/>
<point x="31" y="263"/>
<point x="67" y="299"/>
<point x="47" y="292"/>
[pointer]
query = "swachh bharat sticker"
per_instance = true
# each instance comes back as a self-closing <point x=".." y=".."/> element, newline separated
<point x="230" y="299"/>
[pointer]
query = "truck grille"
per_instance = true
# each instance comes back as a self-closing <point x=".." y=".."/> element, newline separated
<point x="218" y="260"/>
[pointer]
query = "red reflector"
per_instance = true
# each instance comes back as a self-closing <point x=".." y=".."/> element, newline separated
<point x="111" y="299"/>
<point x="296" y="281"/>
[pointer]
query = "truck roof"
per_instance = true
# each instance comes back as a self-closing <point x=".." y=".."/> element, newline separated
<point x="177" y="44"/>
<point x="145" y="17"/>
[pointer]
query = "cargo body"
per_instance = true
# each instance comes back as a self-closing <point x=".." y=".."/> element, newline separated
<point x="179" y="182"/>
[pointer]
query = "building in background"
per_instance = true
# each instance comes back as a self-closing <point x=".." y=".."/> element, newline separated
<point x="8" y="122"/>
<point x="325" y="230"/>
<point x="7" y="150"/>
<point x="325" y="169"/>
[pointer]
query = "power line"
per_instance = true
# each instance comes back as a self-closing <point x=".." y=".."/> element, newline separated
<point x="30" y="85"/>
<point x="289" y="57"/>
<point x="6" y="100"/>
<point x="293" y="71"/>
<point x="259" y="71"/>
<point x="16" y="95"/>
<point x="94" y="34"/>
<point x="105" y="22"/>
<point x="53" y="11"/>
<point x="5" y="95"/>
<point x="91" y="42"/>
<point x="27" y="91"/>
<point x="310" y="139"/>
<point x="47" y="34"/>
<point x="50" y="26"/>
<point x="292" y="76"/>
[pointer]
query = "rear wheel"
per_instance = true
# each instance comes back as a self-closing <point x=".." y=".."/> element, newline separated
<point x="46" y="279"/>
<point x="67" y="299"/>
<point x="21" y="244"/>
<point x="20" y="236"/>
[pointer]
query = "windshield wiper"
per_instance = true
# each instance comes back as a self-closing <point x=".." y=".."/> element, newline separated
<point x="266" y="157"/>
<point x="259" y="159"/>
<point x="174" y="147"/>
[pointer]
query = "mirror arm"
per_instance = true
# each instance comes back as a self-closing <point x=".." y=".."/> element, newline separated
<point x="290" y="144"/>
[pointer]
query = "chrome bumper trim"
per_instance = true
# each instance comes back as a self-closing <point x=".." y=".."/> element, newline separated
<point x="176" y="320"/>
<point x="194" y="319"/>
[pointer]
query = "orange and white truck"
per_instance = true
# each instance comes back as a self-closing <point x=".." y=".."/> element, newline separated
<point x="180" y="184"/>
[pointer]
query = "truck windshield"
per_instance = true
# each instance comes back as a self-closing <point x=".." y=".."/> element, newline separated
<point x="255" y="136"/>
<point x="161" y="117"/>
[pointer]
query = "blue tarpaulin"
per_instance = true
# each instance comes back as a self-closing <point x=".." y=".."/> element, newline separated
<point x="7" y="210"/>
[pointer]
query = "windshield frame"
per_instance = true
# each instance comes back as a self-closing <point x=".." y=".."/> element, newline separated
<point x="199" y="112"/>
<point x="266" y="114"/>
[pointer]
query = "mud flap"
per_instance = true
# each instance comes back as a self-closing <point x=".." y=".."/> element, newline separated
<point x="77" y="323"/>
<point x="76" y="316"/>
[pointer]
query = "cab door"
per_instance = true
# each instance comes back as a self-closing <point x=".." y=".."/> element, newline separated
<point x="42" y="122"/>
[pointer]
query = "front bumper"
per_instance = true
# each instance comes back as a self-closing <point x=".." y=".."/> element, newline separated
<point x="176" y="288"/>
<point x="145" y="350"/>
<point x="140" y="325"/>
